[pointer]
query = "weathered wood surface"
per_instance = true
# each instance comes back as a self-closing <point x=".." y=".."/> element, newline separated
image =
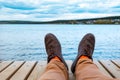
<point x="31" y="70"/>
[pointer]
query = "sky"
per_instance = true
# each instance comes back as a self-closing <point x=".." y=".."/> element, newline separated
<point x="48" y="10"/>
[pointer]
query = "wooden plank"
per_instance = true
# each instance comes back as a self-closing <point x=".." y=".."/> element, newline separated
<point x="24" y="71"/>
<point x="4" y="65"/>
<point x="69" y="63"/>
<point x="8" y="72"/>
<point x="32" y="71"/>
<point x="37" y="71"/>
<point x="113" y="69"/>
<point x="116" y="62"/>
<point x="71" y="76"/>
<point x="102" y="69"/>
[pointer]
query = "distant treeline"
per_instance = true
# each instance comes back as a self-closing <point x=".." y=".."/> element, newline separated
<point x="104" y="20"/>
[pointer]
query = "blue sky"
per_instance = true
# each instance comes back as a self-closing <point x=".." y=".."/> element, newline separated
<point x="47" y="10"/>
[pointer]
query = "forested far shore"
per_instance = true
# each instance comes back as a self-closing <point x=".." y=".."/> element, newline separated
<point x="104" y="20"/>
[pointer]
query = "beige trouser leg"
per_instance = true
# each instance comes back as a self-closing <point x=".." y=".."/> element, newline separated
<point x="55" y="70"/>
<point x="87" y="70"/>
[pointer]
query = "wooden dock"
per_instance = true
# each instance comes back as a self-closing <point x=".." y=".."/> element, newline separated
<point x="31" y="70"/>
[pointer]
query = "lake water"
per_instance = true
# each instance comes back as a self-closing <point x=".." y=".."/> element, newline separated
<point x="26" y="42"/>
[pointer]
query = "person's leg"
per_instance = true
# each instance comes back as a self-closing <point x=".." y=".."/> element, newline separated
<point x="57" y="68"/>
<point x="87" y="70"/>
<point x="83" y="67"/>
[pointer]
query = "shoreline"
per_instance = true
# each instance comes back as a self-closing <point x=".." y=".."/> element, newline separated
<point x="104" y="20"/>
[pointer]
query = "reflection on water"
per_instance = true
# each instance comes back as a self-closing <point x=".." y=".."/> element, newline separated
<point x="26" y="42"/>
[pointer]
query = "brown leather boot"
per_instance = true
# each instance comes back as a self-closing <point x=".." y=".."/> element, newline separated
<point x="53" y="48"/>
<point x="86" y="48"/>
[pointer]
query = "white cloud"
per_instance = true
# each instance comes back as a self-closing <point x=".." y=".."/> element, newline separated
<point x="82" y="16"/>
<point x="57" y="9"/>
<point x="50" y="17"/>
